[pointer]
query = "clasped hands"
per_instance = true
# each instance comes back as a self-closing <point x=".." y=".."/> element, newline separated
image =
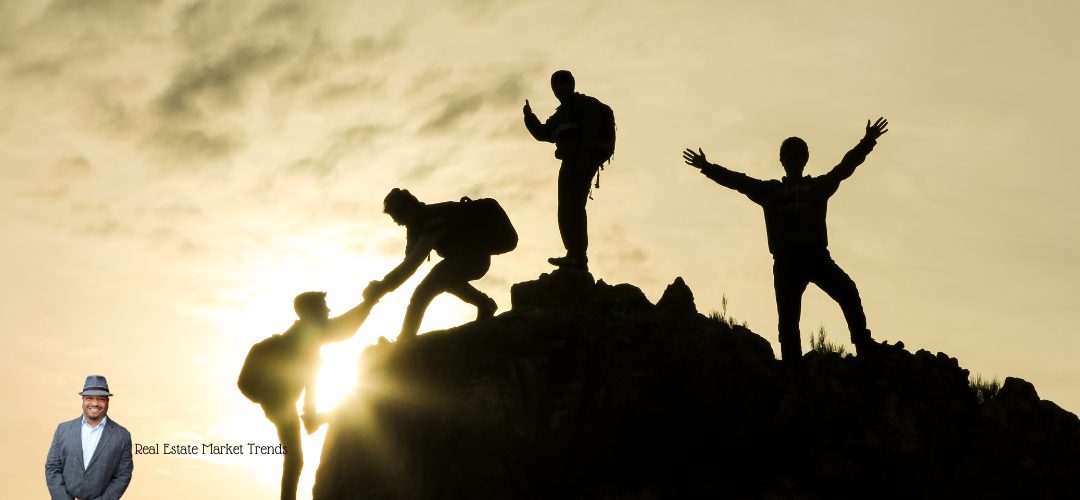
<point x="375" y="290"/>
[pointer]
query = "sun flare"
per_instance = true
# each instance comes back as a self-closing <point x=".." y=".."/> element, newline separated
<point x="318" y="262"/>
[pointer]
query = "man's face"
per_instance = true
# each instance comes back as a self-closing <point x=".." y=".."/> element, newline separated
<point x="95" y="407"/>
<point x="398" y="218"/>
<point x="319" y="312"/>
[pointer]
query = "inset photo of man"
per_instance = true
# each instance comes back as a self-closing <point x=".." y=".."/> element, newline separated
<point x="90" y="456"/>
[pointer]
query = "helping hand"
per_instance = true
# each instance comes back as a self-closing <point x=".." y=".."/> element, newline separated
<point x="877" y="129"/>
<point x="695" y="159"/>
<point x="374" y="291"/>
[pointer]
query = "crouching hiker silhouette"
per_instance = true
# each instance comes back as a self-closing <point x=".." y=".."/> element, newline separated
<point x="798" y="239"/>
<point x="464" y="233"/>
<point x="280" y="367"/>
<point x="583" y="130"/>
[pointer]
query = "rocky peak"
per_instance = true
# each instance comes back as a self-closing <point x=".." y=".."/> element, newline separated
<point x="588" y="390"/>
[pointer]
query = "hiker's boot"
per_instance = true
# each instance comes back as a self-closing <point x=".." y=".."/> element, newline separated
<point x="865" y="344"/>
<point x="568" y="262"/>
<point x="791" y="354"/>
<point x="486" y="309"/>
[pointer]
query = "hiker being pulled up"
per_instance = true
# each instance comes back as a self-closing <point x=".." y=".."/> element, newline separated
<point x="583" y="130"/>
<point x="795" y="209"/>
<point x="464" y="233"/>
<point x="279" y="368"/>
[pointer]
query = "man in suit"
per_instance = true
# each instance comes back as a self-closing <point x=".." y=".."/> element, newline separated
<point x="90" y="457"/>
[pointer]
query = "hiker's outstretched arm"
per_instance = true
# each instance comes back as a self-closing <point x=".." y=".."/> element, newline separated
<point x="728" y="178"/>
<point x="539" y="131"/>
<point x="346" y="325"/>
<point x="419" y="251"/>
<point x="858" y="154"/>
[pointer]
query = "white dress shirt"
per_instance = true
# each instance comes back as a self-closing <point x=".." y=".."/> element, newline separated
<point x="90" y="438"/>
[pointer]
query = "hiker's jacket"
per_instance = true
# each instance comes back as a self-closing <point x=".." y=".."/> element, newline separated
<point x="794" y="208"/>
<point x="296" y="358"/>
<point x="578" y="122"/>
<point x="441" y="222"/>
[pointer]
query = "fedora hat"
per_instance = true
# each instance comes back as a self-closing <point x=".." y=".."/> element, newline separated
<point x="95" y="385"/>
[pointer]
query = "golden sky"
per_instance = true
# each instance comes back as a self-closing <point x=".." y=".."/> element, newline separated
<point x="173" y="172"/>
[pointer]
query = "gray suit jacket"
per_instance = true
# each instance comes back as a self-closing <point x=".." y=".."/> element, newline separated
<point x="109" y="471"/>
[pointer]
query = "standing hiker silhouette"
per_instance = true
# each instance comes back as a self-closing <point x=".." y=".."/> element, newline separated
<point x="795" y="208"/>
<point x="583" y="130"/>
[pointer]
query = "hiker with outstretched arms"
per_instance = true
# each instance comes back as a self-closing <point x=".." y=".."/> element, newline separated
<point x="583" y="130"/>
<point x="464" y="233"/>
<point x="278" y="369"/>
<point x="795" y="209"/>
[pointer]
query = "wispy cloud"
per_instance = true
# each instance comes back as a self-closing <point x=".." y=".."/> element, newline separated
<point x="494" y="88"/>
<point x="221" y="84"/>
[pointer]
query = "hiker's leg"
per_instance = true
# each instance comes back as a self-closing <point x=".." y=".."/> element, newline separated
<point x="436" y="282"/>
<point x="464" y="270"/>
<point x="287" y="422"/>
<point x="790" y="283"/>
<point x="832" y="280"/>
<point x="574" y="182"/>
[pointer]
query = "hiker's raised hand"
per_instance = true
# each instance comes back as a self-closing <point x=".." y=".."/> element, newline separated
<point x="695" y="159"/>
<point x="527" y="109"/>
<point x="877" y="129"/>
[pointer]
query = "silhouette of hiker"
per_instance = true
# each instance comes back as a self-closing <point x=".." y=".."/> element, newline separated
<point x="798" y="239"/>
<point x="465" y="234"/>
<point x="278" y="368"/>
<point x="583" y="130"/>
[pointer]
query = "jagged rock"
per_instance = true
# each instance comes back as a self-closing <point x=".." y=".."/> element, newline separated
<point x="586" y="390"/>
<point x="677" y="300"/>
<point x="1022" y="447"/>
<point x="560" y="289"/>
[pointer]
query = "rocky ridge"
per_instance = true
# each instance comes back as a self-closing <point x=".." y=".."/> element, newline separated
<point x="585" y="390"/>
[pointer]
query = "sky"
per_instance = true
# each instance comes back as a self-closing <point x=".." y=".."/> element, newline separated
<point x="174" y="172"/>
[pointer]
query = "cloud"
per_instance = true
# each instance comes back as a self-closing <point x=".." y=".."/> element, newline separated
<point x="466" y="101"/>
<point x="220" y="84"/>
<point x="192" y="142"/>
<point x="482" y="10"/>
<point x="343" y="142"/>
<point x="454" y="109"/>
<point x="55" y="183"/>
<point x="618" y="247"/>
<point x="336" y="91"/>
<point x="367" y="48"/>
<point x="72" y="166"/>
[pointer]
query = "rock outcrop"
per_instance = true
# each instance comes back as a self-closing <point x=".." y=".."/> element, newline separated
<point x="586" y="390"/>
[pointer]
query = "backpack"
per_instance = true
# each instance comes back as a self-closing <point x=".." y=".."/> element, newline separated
<point x="604" y="147"/>
<point x="605" y="141"/>
<point x="488" y="226"/>
<point x="475" y="226"/>
<point x="267" y="369"/>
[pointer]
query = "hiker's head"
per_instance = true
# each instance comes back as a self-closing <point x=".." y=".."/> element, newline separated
<point x="793" y="156"/>
<point x="311" y="306"/>
<point x="562" y="84"/>
<point x="400" y="205"/>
